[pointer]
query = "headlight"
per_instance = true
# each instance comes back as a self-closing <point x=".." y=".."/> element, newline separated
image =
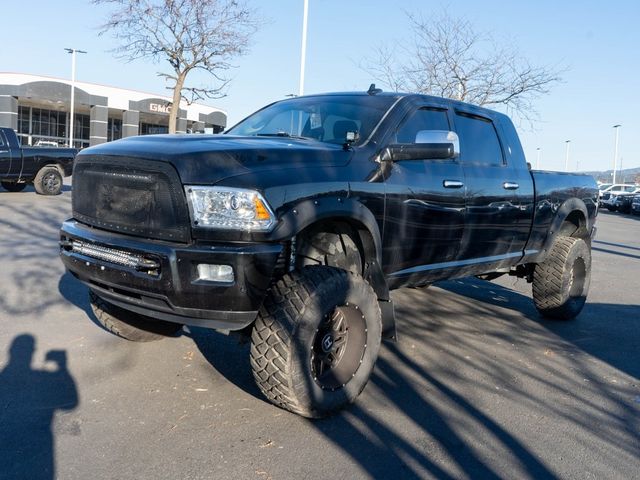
<point x="229" y="209"/>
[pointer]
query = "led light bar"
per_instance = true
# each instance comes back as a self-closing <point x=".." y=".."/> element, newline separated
<point x="112" y="255"/>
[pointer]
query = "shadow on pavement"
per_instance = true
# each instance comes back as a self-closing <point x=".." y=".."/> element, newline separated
<point x="29" y="400"/>
<point x="427" y="398"/>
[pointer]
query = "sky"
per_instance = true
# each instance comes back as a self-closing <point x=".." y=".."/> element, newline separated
<point x="597" y="42"/>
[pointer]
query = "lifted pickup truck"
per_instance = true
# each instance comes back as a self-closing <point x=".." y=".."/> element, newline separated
<point x="294" y="225"/>
<point x="43" y="166"/>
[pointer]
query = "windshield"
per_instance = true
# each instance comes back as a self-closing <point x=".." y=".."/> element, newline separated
<point x="325" y="118"/>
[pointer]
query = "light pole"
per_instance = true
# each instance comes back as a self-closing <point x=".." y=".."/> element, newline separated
<point x="538" y="159"/>
<point x="566" y="160"/>
<point x="615" y="152"/>
<point x="303" y="54"/>
<point x="73" y="52"/>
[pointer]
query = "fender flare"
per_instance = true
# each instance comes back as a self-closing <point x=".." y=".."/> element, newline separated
<point x="567" y="208"/>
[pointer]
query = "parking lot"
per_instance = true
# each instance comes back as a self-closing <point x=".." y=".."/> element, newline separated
<point x="478" y="386"/>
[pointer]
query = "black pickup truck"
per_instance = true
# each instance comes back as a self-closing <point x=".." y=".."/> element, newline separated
<point x="43" y="166"/>
<point x="293" y="226"/>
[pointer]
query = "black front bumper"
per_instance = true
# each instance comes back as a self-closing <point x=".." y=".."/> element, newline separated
<point x="172" y="291"/>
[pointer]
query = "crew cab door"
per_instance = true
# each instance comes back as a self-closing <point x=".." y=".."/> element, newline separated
<point x="424" y="211"/>
<point x="492" y="236"/>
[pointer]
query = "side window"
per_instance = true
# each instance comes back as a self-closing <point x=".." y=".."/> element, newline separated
<point x="1" y="141"/>
<point x="423" y="119"/>
<point x="479" y="142"/>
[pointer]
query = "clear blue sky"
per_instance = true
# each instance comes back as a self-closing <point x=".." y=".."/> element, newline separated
<point x="598" y="41"/>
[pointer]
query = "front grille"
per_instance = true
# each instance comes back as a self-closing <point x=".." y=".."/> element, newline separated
<point x="129" y="195"/>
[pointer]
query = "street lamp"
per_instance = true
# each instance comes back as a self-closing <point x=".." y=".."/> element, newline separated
<point x="566" y="160"/>
<point x="303" y="54"/>
<point x="73" y="52"/>
<point x="615" y="152"/>
<point x="538" y="159"/>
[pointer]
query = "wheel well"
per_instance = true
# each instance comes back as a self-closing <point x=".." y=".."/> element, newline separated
<point x="365" y="242"/>
<point x="575" y="225"/>
<point x="357" y="233"/>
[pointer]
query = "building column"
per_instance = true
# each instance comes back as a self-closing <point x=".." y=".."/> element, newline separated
<point x="98" y="118"/>
<point x="9" y="111"/>
<point x="181" y="121"/>
<point x="130" y="123"/>
<point x="181" y="125"/>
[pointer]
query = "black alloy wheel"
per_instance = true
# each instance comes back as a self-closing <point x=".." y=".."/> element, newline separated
<point x="338" y="347"/>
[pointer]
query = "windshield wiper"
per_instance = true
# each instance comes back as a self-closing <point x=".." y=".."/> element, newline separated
<point x="282" y="134"/>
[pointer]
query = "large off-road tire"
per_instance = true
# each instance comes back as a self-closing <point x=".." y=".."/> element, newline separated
<point x="13" y="186"/>
<point x="330" y="249"/>
<point x="48" y="181"/>
<point x="130" y="325"/>
<point x="561" y="282"/>
<point x="316" y="340"/>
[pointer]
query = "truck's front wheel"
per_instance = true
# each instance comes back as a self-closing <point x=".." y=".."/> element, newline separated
<point x="561" y="282"/>
<point x="316" y="340"/>
<point x="130" y="325"/>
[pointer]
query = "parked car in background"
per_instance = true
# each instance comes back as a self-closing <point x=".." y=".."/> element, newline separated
<point x="622" y="202"/>
<point x="46" y="143"/>
<point x="608" y="198"/>
<point x="635" y="204"/>
<point x="43" y="166"/>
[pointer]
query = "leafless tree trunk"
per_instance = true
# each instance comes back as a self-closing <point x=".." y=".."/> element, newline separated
<point x="446" y="57"/>
<point x="188" y="34"/>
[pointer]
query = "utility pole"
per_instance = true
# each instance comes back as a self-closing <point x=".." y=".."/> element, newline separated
<point x="73" y="52"/>
<point x="615" y="152"/>
<point x="538" y="159"/>
<point x="566" y="160"/>
<point x="303" y="55"/>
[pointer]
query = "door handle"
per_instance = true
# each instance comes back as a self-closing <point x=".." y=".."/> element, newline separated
<point x="510" y="186"/>
<point x="452" y="184"/>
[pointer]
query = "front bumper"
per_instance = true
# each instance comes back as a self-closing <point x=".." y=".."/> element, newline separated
<point x="172" y="291"/>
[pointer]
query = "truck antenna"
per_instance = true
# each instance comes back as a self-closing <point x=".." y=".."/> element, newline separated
<point x="373" y="90"/>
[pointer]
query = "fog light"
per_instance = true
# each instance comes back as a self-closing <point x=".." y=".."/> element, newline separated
<point x="215" y="273"/>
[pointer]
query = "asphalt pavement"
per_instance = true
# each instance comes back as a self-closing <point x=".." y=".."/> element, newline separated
<point x="478" y="385"/>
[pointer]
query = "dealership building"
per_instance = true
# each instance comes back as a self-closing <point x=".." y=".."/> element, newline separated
<point x="38" y="107"/>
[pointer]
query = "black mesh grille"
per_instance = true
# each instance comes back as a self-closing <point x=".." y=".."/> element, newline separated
<point x="129" y="195"/>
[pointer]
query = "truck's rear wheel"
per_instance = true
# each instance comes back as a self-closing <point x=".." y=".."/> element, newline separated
<point x="130" y="325"/>
<point x="48" y="181"/>
<point x="13" y="186"/>
<point x="316" y="340"/>
<point x="561" y="282"/>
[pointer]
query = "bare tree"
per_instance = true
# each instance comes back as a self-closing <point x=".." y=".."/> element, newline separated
<point x="188" y="34"/>
<point x="448" y="58"/>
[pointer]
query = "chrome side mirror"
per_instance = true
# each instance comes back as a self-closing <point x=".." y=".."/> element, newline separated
<point x="444" y="137"/>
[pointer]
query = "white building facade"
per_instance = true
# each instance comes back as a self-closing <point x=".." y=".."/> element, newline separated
<point x="37" y="108"/>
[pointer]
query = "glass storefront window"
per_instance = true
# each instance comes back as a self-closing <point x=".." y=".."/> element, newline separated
<point x="114" y="129"/>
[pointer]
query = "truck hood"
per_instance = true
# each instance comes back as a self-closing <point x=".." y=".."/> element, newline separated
<point x="208" y="159"/>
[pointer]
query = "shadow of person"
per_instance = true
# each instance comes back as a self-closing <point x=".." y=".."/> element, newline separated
<point x="28" y="401"/>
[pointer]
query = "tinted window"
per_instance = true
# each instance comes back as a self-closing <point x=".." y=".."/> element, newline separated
<point x="479" y="142"/>
<point x="423" y="119"/>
